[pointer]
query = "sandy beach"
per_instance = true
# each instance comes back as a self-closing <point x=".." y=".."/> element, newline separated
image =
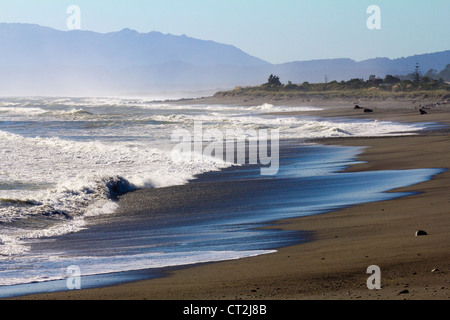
<point x="345" y="242"/>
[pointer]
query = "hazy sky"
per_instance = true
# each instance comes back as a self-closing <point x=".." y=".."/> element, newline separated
<point x="274" y="30"/>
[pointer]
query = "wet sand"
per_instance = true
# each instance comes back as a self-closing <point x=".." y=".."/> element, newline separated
<point x="345" y="242"/>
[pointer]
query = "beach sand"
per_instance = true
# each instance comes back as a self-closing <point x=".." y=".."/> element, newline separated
<point x="345" y="242"/>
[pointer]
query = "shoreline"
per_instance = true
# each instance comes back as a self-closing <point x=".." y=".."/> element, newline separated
<point x="346" y="241"/>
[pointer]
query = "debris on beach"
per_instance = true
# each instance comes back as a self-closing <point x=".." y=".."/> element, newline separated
<point x="421" y="233"/>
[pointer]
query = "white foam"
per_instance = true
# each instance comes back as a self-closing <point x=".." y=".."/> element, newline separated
<point x="268" y="108"/>
<point x="294" y="127"/>
<point x="79" y="175"/>
<point x="56" y="265"/>
<point x="21" y="110"/>
<point x="71" y="112"/>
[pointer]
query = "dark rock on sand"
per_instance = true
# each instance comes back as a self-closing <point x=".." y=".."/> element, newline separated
<point x="368" y="110"/>
<point x="421" y="233"/>
<point x="357" y="107"/>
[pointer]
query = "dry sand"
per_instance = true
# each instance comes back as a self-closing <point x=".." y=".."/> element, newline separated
<point x="334" y="265"/>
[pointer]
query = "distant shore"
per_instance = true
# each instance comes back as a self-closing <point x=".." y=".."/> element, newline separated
<point x="347" y="241"/>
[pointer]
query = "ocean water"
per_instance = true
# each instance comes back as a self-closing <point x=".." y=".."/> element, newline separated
<point x="65" y="160"/>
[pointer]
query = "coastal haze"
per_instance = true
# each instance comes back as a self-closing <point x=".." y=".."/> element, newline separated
<point x="42" y="61"/>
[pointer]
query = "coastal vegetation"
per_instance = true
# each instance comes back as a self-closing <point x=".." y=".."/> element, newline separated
<point x="432" y="85"/>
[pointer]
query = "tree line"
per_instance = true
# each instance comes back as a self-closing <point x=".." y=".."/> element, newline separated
<point x="431" y="80"/>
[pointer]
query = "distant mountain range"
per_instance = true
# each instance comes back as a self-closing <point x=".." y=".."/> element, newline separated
<point x="36" y="60"/>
